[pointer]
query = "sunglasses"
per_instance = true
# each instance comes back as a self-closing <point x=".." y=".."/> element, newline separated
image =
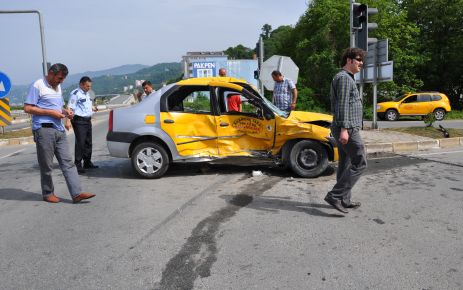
<point x="359" y="59"/>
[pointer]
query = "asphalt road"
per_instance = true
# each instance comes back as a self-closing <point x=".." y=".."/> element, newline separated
<point x="216" y="227"/>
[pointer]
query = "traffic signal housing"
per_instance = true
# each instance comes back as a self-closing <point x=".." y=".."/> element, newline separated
<point x="361" y="26"/>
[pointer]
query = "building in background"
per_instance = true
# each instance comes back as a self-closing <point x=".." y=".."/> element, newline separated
<point x="208" y="63"/>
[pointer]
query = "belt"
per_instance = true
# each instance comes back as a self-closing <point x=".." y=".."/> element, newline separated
<point x="82" y="118"/>
<point x="47" y="125"/>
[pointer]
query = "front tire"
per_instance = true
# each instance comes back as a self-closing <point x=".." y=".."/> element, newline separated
<point x="150" y="160"/>
<point x="308" y="158"/>
<point x="439" y="114"/>
<point x="392" y="115"/>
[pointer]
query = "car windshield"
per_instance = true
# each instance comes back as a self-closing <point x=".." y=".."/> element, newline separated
<point x="269" y="104"/>
<point x="399" y="98"/>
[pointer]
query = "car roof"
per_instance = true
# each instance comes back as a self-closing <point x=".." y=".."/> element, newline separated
<point x="207" y="81"/>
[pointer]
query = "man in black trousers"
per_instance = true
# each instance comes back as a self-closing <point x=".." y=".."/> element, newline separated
<point x="80" y="103"/>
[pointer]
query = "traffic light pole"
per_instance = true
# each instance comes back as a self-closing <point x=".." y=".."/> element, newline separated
<point x="352" y="32"/>
<point x="42" y="38"/>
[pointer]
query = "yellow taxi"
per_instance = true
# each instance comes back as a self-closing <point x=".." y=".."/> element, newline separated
<point x="194" y="120"/>
<point x="415" y="104"/>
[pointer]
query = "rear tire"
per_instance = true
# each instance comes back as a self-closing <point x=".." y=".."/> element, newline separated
<point x="392" y="115"/>
<point x="150" y="160"/>
<point x="439" y="114"/>
<point x="308" y="158"/>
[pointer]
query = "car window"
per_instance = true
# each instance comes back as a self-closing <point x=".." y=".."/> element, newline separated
<point x="424" y="98"/>
<point x="190" y="99"/>
<point x="436" y="97"/>
<point x="234" y="102"/>
<point x="411" y="99"/>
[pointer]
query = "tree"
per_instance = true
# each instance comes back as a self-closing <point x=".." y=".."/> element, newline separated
<point x="239" y="52"/>
<point x="266" y="31"/>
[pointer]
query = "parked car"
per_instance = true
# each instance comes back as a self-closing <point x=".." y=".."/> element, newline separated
<point x="415" y="104"/>
<point x="189" y="121"/>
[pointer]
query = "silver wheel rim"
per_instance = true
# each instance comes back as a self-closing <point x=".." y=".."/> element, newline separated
<point x="391" y="115"/>
<point x="149" y="160"/>
<point x="308" y="158"/>
<point x="439" y="115"/>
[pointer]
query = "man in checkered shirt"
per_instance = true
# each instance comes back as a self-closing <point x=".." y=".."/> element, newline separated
<point x="284" y="92"/>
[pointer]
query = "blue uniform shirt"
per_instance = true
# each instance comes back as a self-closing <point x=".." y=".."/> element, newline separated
<point x="44" y="96"/>
<point x="81" y="103"/>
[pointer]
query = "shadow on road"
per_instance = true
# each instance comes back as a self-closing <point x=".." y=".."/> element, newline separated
<point x="21" y="195"/>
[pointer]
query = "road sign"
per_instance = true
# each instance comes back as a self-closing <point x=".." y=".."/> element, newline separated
<point x="5" y="85"/>
<point x="384" y="72"/>
<point x="284" y="64"/>
<point x="377" y="52"/>
<point x="5" y="115"/>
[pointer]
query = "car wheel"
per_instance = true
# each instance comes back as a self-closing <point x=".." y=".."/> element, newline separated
<point x="439" y="114"/>
<point x="308" y="158"/>
<point x="392" y="115"/>
<point x="150" y="160"/>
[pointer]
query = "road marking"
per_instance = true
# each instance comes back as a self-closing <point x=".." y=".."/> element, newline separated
<point x="437" y="153"/>
<point x="11" y="154"/>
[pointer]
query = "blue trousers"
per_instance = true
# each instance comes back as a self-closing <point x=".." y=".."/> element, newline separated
<point x="49" y="143"/>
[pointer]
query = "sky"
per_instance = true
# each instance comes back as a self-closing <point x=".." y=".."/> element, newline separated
<point x="90" y="35"/>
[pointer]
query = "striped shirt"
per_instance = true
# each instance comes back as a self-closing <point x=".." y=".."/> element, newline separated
<point x="44" y="96"/>
<point x="283" y="95"/>
<point x="346" y="103"/>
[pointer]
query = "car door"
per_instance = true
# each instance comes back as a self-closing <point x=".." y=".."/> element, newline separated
<point x="409" y="105"/>
<point x="424" y="105"/>
<point x="187" y="116"/>
<point x="243" y="132"/>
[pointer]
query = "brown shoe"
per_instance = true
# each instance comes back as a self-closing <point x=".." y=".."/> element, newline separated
<point x="83" y="195"/>
<point x="51" y="198"/>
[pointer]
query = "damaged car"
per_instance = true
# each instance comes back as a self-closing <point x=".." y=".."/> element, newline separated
<point x="193" y="121"/>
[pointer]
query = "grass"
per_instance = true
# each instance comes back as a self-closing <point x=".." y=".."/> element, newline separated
<point x="16" y="134"/>
<point x="429" y="132"/>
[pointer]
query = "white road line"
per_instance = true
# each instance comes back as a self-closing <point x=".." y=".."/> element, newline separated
<point x="437" y="153"/>
<point x="12" y="154"/>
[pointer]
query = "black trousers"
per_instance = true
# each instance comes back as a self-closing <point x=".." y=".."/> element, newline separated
<point x="83" y="130"/>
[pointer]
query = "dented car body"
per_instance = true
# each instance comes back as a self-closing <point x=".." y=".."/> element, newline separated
<point x="192" y="121"/>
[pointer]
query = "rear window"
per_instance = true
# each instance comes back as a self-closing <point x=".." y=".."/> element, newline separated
<point x="424" y="98"/>
<point x="436" y="97"/>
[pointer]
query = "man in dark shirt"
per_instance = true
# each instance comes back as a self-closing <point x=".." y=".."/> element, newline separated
<point x="347" y="110"/>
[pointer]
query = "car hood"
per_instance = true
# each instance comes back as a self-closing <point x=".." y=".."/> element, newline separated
<point x="320" y="119"/>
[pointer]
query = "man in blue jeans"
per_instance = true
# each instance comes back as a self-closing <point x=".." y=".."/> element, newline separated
<point x="45" y="102"/>
<point x="347" y="110"/>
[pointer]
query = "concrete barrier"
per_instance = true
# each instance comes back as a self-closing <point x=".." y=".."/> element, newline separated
<point x="399" y="147"/>
<point x="428" y="144"/>
<point x="378" y="148"/>
<point x="449" y="142"/>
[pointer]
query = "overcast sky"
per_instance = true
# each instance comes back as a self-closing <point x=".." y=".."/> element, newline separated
<point x="89" y="35"/>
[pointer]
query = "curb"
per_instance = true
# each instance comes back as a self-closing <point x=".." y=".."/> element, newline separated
<point x="412" y="146"/>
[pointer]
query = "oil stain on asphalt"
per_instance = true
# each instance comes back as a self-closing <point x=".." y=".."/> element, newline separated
<point x="199" y="253"/>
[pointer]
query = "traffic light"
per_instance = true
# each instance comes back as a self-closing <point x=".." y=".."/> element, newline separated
<point x="361" y="26"/>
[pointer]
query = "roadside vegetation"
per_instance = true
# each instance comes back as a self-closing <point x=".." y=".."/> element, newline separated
<point x="430" y="132"/>
<point x="16" y="134"/>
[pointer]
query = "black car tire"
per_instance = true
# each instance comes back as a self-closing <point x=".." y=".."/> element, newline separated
<point x="439" y="114"/>
<point x="308" y="158"/>
<point x="392" y="115"/>
<point x="150" y="160"/>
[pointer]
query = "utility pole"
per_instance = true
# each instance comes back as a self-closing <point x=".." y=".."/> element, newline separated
<point x="261" y="61"/>
<point x="42" y="38"/>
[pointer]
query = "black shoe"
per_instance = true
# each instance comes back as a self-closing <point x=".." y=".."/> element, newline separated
<point x="336" y="203"/>
<point x="353" y="204"/>
<point x="90" y="165"/>
<point x="80" y="170"/>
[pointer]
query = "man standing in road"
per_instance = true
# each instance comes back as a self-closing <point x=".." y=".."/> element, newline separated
<point x="45" y="102"/>
<point x="284" y="92"/>
<point x="347" y="110"/>
<point x="80" y="103"/>
<point x="222" y="72"/>
<point x="147" y="88"/>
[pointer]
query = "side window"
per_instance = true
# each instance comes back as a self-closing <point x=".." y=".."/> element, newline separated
<point x="237" y="103"/>
<point x="190" y="99"/>
<point x="436" y="97"/>
<point x="424" y="98"/>
<point x="411" y="99"/>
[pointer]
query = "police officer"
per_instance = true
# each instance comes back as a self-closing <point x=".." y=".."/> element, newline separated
<point x="81" y="104"/>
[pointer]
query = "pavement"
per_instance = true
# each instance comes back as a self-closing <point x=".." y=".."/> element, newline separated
<point x="376" y="141"/>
